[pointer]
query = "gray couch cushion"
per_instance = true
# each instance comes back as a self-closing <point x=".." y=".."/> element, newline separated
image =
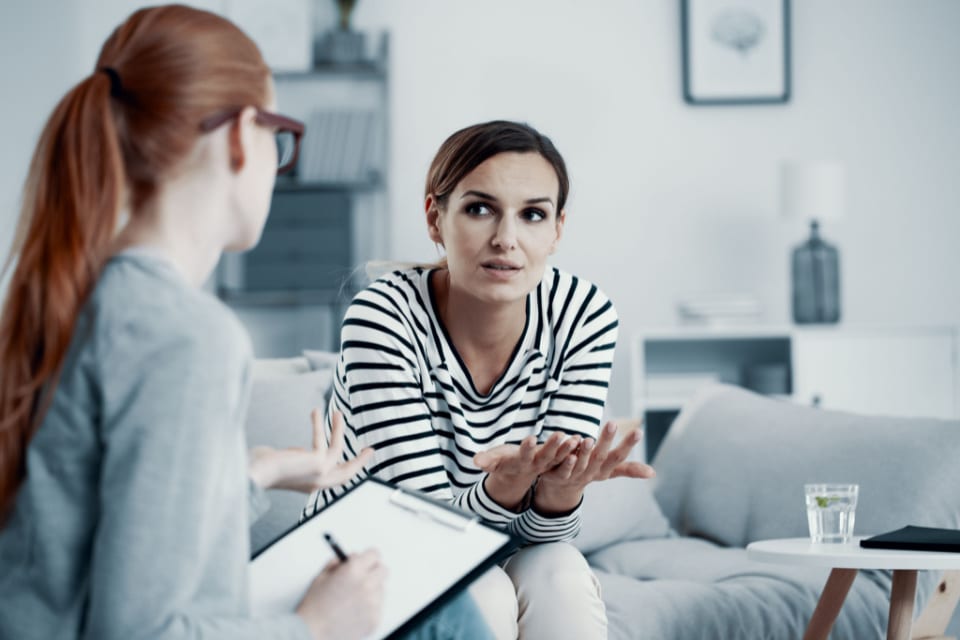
<point x="692" y="588"/>
<point x="617" y="510"/>
<point x="733" y="466"/>
<point x="748" y="607"/>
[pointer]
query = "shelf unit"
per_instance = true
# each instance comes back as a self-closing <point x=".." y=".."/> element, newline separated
<point x="900" y="371"/>
<point x="327" y="217"/>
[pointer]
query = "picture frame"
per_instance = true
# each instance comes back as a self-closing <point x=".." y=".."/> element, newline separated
<point x="735" y="52"/>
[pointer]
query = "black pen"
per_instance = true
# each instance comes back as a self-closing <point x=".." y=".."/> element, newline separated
<point x="341" y="556"/>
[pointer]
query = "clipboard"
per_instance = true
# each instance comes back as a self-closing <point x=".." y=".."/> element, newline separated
<point x="432" y="551"/>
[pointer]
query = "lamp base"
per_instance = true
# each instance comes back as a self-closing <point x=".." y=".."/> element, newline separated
<point x="815" y="271"/>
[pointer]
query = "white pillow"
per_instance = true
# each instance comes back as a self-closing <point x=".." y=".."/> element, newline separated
<point x="275" y="367"/>
<point x="321" y="360"/>
<point x="280" y="406"/>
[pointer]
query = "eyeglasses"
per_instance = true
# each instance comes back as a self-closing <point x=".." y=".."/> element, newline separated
<point x="287" y="133"/>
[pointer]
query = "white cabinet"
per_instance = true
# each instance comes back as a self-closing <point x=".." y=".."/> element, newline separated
<point x="888" y="371"/>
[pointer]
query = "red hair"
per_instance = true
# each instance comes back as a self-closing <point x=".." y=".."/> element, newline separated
<point x="108" y="146"/>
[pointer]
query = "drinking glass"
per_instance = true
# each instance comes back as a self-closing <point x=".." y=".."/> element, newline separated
<point x="831" y="509"/>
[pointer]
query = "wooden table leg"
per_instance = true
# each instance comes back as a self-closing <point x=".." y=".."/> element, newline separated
<point x="828" y="608"/>
<point x="902" y="593"/>
<point x="936" y="615"/>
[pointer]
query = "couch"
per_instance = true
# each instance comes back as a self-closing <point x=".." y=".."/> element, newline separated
<point x="670" y="553"/>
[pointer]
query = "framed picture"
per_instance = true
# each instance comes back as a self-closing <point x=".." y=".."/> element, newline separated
<point x="736" y="51"/>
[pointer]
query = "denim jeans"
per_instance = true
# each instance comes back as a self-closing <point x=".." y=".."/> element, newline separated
<point x="459" y="618"/>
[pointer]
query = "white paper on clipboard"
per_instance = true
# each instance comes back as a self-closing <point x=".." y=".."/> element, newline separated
<point x="426" y="548"/>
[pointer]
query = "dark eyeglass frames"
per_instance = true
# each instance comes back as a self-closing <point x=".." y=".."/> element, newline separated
<point x="287" y="133"/>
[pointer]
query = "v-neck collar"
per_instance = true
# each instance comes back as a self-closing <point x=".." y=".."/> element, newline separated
<point x="435" y="312"/>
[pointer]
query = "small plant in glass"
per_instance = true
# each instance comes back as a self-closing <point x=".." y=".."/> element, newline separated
<point x="341" y="44"/>
<point x="345" y="10"/>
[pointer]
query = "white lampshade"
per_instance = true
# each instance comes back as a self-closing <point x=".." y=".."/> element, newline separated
<point x="812" y="190"/>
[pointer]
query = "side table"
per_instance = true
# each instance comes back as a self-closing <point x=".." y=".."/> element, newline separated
<point x="845" y="560"/>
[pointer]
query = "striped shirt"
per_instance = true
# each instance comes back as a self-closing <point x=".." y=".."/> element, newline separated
<point x="405" y="392"/>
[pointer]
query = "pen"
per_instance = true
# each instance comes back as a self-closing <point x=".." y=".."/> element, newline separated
<point x="341" y="556"/>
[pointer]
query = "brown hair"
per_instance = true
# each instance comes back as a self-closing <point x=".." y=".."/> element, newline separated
<point x="468" y="148"/>
<point x="109" y="144"/>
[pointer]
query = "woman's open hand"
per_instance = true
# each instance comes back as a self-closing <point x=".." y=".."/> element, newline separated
<point x="511" y="469"/>
<point x="304" y="470"/>
<point x="561" y="488"/>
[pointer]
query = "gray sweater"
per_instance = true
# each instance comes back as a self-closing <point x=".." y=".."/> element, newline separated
<point x="133" y="519"/>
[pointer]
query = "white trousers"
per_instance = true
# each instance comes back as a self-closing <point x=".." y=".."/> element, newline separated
<point x="546" y="591"/>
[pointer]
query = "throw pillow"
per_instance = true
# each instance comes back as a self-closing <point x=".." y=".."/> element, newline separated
<point x="620" y="509"/>
<point x="280" y="406"/>
<point x="321" y="360"/>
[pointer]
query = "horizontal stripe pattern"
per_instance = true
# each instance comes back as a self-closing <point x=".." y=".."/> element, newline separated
<point x="405" y="393"/>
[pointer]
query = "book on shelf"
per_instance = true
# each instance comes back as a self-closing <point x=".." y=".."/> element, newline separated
<point x="333" y="158"/>
<point x="338" y="146"/>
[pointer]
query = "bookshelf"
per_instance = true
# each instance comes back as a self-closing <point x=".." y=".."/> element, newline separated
<point x="305" y="265"/>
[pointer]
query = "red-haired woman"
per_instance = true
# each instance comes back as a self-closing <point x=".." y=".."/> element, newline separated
<point x="123" y="474"/>
<point x="482" y="380"/>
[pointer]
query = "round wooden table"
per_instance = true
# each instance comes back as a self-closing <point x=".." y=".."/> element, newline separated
<point x="845" y="560"/>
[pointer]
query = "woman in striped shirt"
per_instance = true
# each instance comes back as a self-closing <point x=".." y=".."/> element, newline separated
<point x="482" y="380"/>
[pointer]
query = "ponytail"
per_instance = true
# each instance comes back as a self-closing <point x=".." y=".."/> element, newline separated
<point x="71" y="206"/>
<point x="110" y="144"/>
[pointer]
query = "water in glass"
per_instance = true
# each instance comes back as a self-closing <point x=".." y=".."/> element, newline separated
<point x="831" y="510"/>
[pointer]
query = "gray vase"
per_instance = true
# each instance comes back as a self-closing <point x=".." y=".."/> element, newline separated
<point x="815" y="271"/>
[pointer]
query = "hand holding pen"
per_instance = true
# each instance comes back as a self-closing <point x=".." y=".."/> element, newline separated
<point x="341" y="556"/>
<point x="327" y="613"/>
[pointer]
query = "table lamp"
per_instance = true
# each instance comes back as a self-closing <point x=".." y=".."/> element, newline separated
<point x="814" y="191"/>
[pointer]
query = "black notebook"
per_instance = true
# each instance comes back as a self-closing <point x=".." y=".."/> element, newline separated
<point x="916" y="539"/>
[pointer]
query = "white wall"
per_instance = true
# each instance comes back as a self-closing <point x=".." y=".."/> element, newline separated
<point x="36" y="70"/>
<point x="668" y="199"/>
<point x="46" y="47"/>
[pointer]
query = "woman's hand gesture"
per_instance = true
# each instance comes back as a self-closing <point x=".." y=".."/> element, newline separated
<point x="304" y="470"/>
<point x="561" y="488"/>
<point x="512" y="468"/>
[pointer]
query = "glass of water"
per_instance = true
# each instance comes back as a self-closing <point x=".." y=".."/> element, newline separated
<point x="830" y="511"/>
